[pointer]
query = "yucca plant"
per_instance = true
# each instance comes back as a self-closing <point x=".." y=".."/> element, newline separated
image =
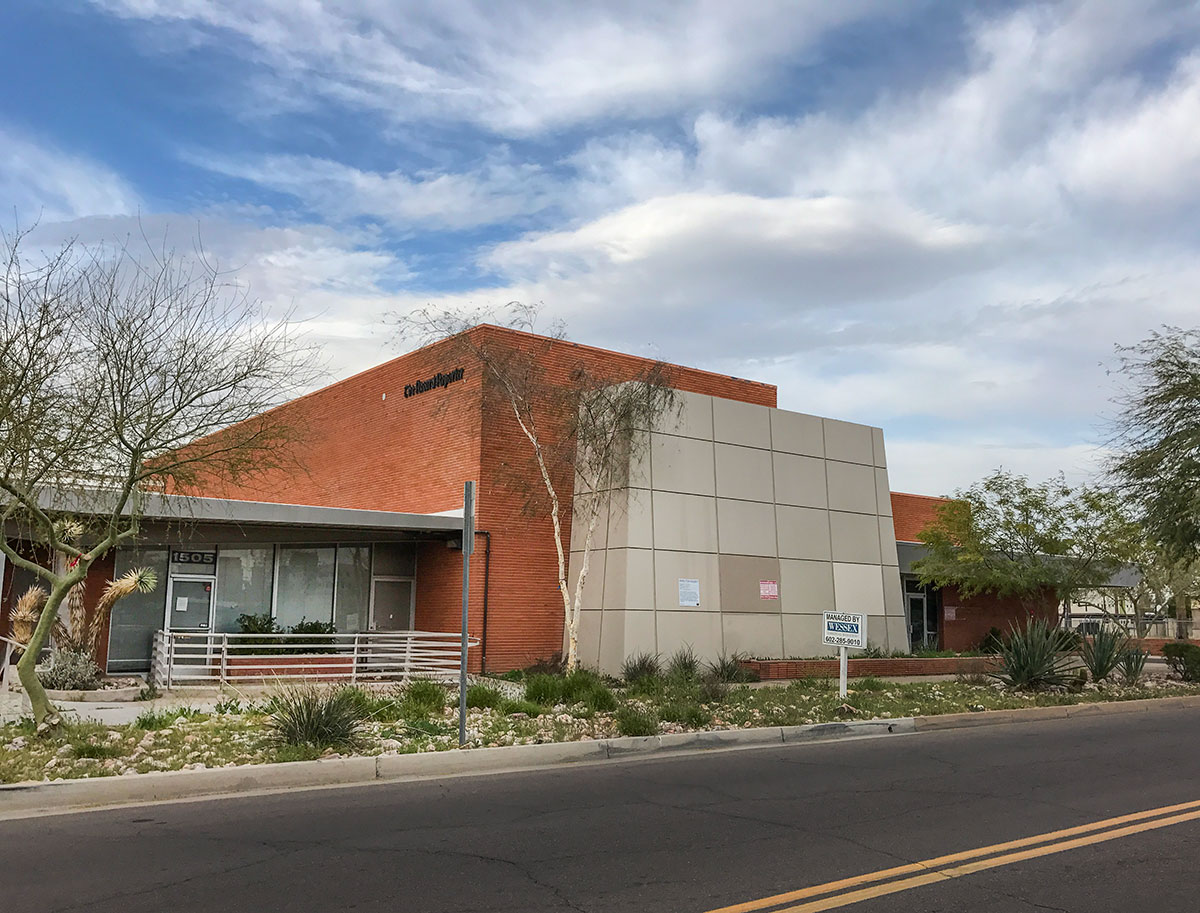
<point x="641" y="666"/>
<point x="1101" y="653"/>
<point x="684" y="665"/>
<point x="83" y="635"/>
<point x="1035" y="657"/>
<point x="25" y="614"/>
<point x="1132" y="663"/>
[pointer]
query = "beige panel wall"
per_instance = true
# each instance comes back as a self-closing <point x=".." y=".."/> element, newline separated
<point x="741" y="576"/>
<point x="736" y="494"/>
<point x="671" y="567"/>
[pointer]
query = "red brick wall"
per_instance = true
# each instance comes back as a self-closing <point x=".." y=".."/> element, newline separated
<point x="975" y="615"/>
<point x="361" y="450"/>
<point x="912" y="513"/>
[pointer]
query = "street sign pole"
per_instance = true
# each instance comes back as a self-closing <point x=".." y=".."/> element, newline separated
<point x="468" y="546"/>
<point x="842" y="664"/>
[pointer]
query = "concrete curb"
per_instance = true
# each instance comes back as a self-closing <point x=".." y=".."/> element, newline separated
<point x="69" y="795"/>
<point x="1032" y="714"/>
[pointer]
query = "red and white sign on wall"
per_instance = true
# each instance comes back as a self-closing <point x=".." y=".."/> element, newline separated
<point x="768" y="589"/>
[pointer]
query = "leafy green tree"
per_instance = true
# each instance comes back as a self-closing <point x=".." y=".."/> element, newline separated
<point x="1009" y="537"/>
<point x="1157" y="441"/>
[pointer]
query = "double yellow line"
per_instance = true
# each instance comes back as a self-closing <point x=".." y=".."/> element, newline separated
<point x="847" y="891"/>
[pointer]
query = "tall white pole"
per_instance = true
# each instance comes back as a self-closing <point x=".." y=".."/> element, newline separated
<point x="468" y="546"/>
<point x="842" y="665"/>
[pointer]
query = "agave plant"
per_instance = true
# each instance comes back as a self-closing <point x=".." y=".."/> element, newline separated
<point x="1102" y="652"/>
<point x="1036" y="657"/>
<point x="1132" y="664"/>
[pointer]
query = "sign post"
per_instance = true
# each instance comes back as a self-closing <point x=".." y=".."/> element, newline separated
<point x="843" y="630"/>
<point x="468" y="546"/>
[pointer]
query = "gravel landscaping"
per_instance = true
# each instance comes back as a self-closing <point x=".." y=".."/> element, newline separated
<point x="423" y="718"/>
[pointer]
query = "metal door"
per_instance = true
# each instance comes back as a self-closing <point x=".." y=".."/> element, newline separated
<point x="392" y="604"/>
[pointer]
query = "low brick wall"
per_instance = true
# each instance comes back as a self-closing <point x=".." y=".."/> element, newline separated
<point x="1154" y="645"/>
<point x="773" y="669"/>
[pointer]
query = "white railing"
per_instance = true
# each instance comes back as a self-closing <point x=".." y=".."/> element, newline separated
<point x="185" y="658"/>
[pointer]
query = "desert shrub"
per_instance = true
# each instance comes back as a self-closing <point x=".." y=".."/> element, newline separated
<point x="1101" y="653"/>
<point x="1184" y="660"/>
<point x="687" y="712"/>
<point x="1036" y="657"/>
<point x="481" y="696"/>
<point x="425" y="727"/>
<point x="71" y="670"/>
<point x="634" y="720"/>
<point x="319" y="717"/>
<point x="586" y="687"/>
<point x="529" y="708"/>
<point x="164" y="717"/>
<point x="710" y="690"/>
<point x="1131" y="664"/>
<point x="543" y="688"/>
<point x="641" y="666"/>
<point x="684" y="665"/>
<point x="422" y="698"/>
<point x="729" y="668"/>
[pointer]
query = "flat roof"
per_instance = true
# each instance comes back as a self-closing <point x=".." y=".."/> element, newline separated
<point x="268" y="513"/>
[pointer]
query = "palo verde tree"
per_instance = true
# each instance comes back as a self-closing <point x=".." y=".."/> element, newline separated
<point x="1156" y="462"/>
<point x="124" y="378"/>
<point x="586" y="432"/>
<point x="1009" y="537"/>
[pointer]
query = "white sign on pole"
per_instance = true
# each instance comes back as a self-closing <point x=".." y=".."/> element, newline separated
<point x="843" y="629"/>
<point x="689" y="591"/>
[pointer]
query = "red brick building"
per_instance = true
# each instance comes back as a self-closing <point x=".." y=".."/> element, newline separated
<point x="944" y="618"/>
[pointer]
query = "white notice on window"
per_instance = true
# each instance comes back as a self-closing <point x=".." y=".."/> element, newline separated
<point x="181" y="603"/>
<point x="689" y="591"/>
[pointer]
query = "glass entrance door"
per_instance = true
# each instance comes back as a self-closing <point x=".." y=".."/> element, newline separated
<point x="189" y="603"/>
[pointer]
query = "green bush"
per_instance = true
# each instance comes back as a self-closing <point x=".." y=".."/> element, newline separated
<point x="1036" y="657"/>
<point x="632" y="720"/>
<point x="1131" y="664"/>
<point x="1184" y="659"/>
<point x="313" y="644"/>
<point x="870" y="683"/>
<point x="1101" y="653"/>
<point x="71" y="670"/>
<point x="545" y="689"/>
<point x="422" y="698"/>
<point x="586" y="687"/>
<point x="529" y="708"/>
<point x="729" y="668"/>
<point x="550" y="665"/>
<point x="318" y="717"/>
<point x="684" y="665"/>
<point x="258" y="624"/>
<point x="641" y="666"/>
<point x="687" y="712"/>
<point x="481" y="696"/>
<point x="709" y="690"/>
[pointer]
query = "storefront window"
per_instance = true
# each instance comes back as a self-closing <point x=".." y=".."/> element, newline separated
<point x="244" y="581"/>
<point x="353" y="588"/>
<point x="136" y="617"/>
<point x="395" y="559"/>
<point x="305" y="590"/>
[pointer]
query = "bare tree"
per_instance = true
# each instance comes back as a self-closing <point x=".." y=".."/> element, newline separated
<point x="588" y="431"/>
<point x="123" y="378"/>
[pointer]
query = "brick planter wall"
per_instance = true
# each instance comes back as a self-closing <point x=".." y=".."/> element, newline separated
<point x="775" y="669"/>
<point x="1154" y="645"/>
<point x="289" y="665"/>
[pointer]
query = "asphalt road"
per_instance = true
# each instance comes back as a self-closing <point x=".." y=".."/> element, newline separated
<point x="683" y="834"/>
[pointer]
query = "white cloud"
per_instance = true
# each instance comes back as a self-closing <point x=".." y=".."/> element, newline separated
<point x="40" y="182"/>
<point x="515" y="67"/>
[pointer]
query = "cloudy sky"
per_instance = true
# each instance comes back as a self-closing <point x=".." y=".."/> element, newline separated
<point x="936" y="217"/>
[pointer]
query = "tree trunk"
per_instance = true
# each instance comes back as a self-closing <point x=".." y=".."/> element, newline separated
<point x="44" y="713"/>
